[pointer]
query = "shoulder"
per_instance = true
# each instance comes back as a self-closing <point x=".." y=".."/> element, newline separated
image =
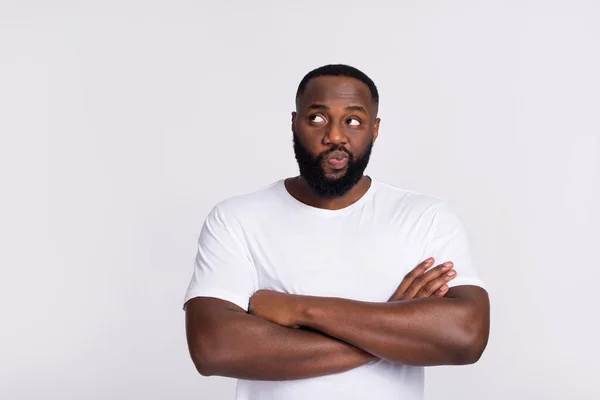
<point x="409" y="201"/>
<point x="245" y="204"/>
<point x="427" y="216"/>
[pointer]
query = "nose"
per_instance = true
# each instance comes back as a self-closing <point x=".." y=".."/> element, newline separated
<point x="334" y="136"/>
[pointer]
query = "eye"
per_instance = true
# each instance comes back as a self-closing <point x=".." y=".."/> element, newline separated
<point x="353" y="122"/>
<point x="317" y="119"/>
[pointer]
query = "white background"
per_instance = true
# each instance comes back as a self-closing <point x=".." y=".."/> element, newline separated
<point x="124" y="122"/>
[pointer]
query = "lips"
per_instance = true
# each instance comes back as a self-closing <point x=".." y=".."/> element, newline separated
<point x="338" y="159"/>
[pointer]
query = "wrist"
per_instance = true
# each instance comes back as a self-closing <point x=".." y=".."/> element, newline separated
<point x="364" y="357"/>
<point x="304" y="310"/>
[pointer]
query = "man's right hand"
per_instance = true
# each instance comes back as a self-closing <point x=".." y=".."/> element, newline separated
<point x="418" y="283"/>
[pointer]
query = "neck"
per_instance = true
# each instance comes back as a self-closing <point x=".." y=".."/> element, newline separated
<point x="301" y="191"/>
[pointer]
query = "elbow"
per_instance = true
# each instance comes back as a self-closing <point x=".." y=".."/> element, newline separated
<point x="469" y="354"/>
<point x="208" y="356"/>
<point x="204" y="369"/>
<point x="203" y="361"/>
<point x="473" y="340"/>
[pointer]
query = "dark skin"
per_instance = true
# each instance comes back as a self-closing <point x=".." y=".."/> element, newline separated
<point x="224" y="340"/>
<point x="425" y="332"/>
<point x="334" y="111"/>
<point x="424" y="323"/>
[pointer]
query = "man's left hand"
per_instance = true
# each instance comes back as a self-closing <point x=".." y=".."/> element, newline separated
<point x="277" y="307"/>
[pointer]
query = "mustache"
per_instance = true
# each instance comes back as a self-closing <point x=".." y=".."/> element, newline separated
<point x="333" y="149"/>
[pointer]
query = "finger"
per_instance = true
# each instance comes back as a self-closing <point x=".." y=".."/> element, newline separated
<point x="432" y="287"/>
<point x="426" y="278"/>
<point x="414" y="273"/>
<point x="411" y="276"/>
<point x="441" y="292"/>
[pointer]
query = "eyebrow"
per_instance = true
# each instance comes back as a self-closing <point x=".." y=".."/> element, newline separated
<point x="349" y="108"/>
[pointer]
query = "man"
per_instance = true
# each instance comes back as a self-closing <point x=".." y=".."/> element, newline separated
<point x="296" y="288"/>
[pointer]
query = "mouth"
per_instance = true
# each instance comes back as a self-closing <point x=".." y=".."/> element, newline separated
<point x="338" y="164"/>
<point x="337" y="160"/>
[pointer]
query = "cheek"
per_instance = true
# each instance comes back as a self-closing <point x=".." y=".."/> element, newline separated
<point x="360" y="147"/>
<point x="311" y="141"/>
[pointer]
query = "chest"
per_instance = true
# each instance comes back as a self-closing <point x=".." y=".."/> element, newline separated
<point x="356" y="261"/>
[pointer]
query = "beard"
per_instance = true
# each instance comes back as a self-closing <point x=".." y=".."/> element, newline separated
<point x="311" y="169"/>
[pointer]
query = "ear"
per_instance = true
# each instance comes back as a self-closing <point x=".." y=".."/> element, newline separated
<point x="294" y="114"/>
<point x="376" y="129"/>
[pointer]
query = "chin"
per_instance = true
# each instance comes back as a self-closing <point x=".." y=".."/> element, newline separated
<point x="334" y="175"/>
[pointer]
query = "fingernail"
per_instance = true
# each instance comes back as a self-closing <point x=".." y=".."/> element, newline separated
<point x="430" y="260"/>
<point x="448" y="263"/>
<point x="451" y="273"/>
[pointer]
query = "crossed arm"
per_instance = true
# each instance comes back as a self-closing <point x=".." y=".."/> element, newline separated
<point x="448" y="329"/>
<point x="223" y="340"/>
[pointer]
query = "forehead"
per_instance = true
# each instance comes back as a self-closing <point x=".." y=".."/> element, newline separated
<point x="332" y="90"/>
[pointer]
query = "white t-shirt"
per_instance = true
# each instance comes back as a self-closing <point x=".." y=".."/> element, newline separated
<point x="269" y="240"/>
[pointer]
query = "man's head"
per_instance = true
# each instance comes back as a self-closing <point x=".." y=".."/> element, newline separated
<point x="335" y="125"/>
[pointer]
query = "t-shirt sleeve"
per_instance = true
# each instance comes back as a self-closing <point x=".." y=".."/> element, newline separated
<point x="448" y="241"/>
<point x="222" y="267"/>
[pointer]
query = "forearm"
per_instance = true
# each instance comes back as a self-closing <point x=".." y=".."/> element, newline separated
<point x="247" y="347"/>
<point x="430" y="331"/>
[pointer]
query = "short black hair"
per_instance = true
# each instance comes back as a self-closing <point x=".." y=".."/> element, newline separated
<point x="339" y="70"/>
